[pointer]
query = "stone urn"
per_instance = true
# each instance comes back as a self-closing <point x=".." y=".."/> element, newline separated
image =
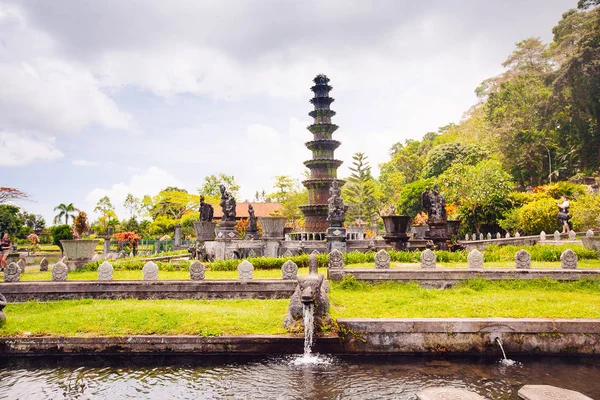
<point x="592" y="243"/>
<point x="395" y="230"/>
<point x="272" y="227"/>
<point x="78" y="252"/>
<point x="205" y="230"/>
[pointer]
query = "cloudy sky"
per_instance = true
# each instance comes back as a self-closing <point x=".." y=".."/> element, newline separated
<point x="116" y="96"/>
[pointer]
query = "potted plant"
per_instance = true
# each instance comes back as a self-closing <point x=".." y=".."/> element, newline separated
<point x="34" y="246"/>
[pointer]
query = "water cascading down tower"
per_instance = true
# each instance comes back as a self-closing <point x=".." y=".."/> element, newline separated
<point x="323" y="167"/>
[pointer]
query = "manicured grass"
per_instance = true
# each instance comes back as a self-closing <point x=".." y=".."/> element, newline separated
<point x="588" y="264"/>
<point x="477" y="298"/>
<point x="349" y="299"/>
<point x="127" y="275"/>
<point x="145" y="317"/>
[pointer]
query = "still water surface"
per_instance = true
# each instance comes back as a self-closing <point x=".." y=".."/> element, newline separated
<point x="280" y="377"/>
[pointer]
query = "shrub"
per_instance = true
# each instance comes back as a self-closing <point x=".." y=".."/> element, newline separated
<point x="532" y="218"/>
<point x="61" y="232"/>
<point x="586" y="212"/>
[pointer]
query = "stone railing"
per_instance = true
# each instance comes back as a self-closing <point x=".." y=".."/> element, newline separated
<point x="303" y="236"/>
<point x="480" y="241"/>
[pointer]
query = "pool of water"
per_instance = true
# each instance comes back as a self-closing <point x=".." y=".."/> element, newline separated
<point x="284" y="377"/>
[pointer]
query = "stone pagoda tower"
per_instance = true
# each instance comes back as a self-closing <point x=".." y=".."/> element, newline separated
<point x="323" y="167"/>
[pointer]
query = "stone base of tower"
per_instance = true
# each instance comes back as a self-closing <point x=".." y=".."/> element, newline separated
<point x="315" y="217"/>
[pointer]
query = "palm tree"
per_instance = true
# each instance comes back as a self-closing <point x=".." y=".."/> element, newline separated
<point x="64" y="211"/>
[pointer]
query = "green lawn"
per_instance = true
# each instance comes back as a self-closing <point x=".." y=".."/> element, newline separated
<point x="145" y="317"/>
<point x="477" y="298"/>
<point x="349" y="299"/>
<point x="587" y="264"/>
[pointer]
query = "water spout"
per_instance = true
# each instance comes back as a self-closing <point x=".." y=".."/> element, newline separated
<point x="505" y="361"/>
<point x="309" y="326"/>
<point x="499" y="341"/>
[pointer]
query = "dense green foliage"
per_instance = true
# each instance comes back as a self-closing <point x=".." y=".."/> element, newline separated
<point x="61" y="232"/>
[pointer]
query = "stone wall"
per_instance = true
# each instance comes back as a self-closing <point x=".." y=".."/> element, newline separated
<point x="234" y="289"/>
<point x="471" y="335"/>
<point x="443" y="278"/>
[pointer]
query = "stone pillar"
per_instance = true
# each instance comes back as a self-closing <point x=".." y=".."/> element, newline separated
<point x="177" y="237"/>
<point x="271" y="247"/>
<point x="157" y="246"/>
<point x="335" y="265"/>
<point x="475" y="259"/>
<point x="568" y="259"/>
<point x="522" y="259"/>
<point x="106" y="246"/>
<point x="336" y="239"/>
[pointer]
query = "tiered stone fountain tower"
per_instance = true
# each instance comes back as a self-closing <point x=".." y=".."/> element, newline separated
<point x="323" y="167"/>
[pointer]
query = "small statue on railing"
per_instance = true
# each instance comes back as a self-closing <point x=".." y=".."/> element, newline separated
<point x="434" y="204"/>
<point x="227" y="204"/>
<point x="206" y="210"/>
<point x="252" y="229"/>
<point x="337" y="208"/>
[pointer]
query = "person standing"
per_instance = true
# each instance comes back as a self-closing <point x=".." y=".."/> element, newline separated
<point x="5" y="249"/>
<point x="563" y="213"/>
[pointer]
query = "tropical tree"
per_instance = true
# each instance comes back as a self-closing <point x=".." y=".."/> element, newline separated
<point x="173" y="203"/>
<point x="8" y="194"/>
<point x="359" y="191"/>
<point x="211" y="184"/>
<point x="108" y="217"/>
<point x="10" y="221"/>
<point x="65" y="211"/>
<point x="80" y="223"/>
<point x="480" y="191"/>
<point x="132" y="204"/>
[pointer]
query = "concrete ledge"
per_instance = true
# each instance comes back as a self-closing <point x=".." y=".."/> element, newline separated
<point x="158" y="345"/>
<point x="446" y="277"/>
<point x="471" y="335"/>
<point x="357" y="336"/>
<point x="205" y="289"/>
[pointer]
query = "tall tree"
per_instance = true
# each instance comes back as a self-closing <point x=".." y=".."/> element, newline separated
<point x="80" y="223"/>
<point x="211" y="184"/>
<point x="359" y="191"/>
<point x="284" y="186"/>
<point x="577" y="84"/>
<point x="8" y="194"/>
<point x="108" y="217"/>
<point x="132" y="204"/>
<point x="10" y="222"/>
<point x="65" y="211"/>
<point x="172" y="203"/>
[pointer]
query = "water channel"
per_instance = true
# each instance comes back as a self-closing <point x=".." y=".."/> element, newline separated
<point x="283" y="377"/>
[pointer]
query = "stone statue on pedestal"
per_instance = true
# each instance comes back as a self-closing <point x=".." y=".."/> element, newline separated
<point x="252" y="221"/>
<point x="434" y="204"/>
<point x="206" y="210"/>
<point x="227" y="205"/>
<point x="337" y="208"/>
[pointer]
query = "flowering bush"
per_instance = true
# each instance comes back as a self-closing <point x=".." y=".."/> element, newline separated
<point x="421" y="218"/>
<point x="34" y="243"/>
<point x="126" y="238"/>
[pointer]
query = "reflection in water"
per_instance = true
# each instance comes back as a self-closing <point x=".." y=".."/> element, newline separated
<point x="352" y="377"/>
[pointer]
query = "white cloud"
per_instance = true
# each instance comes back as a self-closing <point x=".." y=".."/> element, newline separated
<point x="85" y="163"/>
<point x="265" y="135"/>
<point x="20" y="149"/>
<point x="150" y="181"/>
<point x="42" y="90"/>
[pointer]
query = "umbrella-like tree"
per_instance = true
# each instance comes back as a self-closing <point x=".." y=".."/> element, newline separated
<point x="66" y="211"/>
